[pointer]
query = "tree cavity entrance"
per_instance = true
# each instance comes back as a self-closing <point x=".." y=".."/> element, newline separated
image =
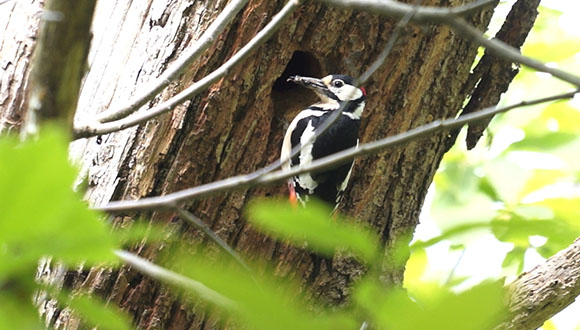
<point x="289" y="98"/>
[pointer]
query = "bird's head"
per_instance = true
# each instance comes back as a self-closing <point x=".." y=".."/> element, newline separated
<point x="334" y="88"/>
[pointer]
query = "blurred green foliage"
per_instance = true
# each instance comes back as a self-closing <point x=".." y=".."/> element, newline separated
<point x="301" y="225"/>
<point x="43" y="217"/>
<point x="519" y="188"/>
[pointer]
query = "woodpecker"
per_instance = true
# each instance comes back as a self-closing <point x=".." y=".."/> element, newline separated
<point x="335" y="92"/>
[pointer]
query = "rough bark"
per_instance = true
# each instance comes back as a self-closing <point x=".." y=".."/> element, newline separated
<point x="18" y="27"/>
<point x="542" y="292"/>
<point x="238" y="124"/>
<point x="492" y="75"/>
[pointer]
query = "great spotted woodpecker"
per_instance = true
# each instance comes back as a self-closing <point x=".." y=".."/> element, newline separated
<point x="335" y="92"/>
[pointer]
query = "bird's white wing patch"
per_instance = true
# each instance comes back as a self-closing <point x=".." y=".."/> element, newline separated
<point x="359" y="110"/>
<point x="305" y="179"/>
<point x="287" y="143"/>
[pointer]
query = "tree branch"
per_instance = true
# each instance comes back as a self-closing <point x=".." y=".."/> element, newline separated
<point x="162" y="274"/>
<point x="390" y="43"/>
<point x="547" y="289"/>
<point x="59" y="63"/>
<point x="211" y="234"/>
<point x="397" y="9"/>
<point x="92" y="129"/>
<point x="243" y="181"/>
<point x="507" y="52"/>
<point x="493" y="76"/>
<point x="177" y="68"/>
<point x="451" y="17"/>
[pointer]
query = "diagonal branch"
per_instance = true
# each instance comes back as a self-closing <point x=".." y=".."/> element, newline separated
<point x="211" y="234"/>
<point x="451" y="17"/>
<point x="168" y="276"/>
<point x="177" y="68"/>
<point x="397" y="9"/>
<point x="90" y="129"/>
<point x="545" y="290"/>
<point x="243" y="181"/>
<point x="493" y="76"/>
<point x="507" y="52"/>
<point x="395" y="34"/>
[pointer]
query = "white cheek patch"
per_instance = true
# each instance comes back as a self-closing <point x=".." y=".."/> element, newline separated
<point x="348" y="92"/>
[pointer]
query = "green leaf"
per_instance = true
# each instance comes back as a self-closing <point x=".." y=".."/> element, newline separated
<point x="548" y="41"/>
<point x="262" y="303"/>
<point x="17" y="312"/>
<point x="539" y="179"/>
<point x="487" y="188"/>
<point x="544" y="142"/>
<point x="41" y="214"/>
<point x="478" y="308"/>
<point x="515" y="258"/>
<point x="514" y="228"/>
<point x="315" y="225"/>
<point x="451" y="234"/>
<point x="479" y="208"/>
<point x="507" y="177"/>
<point x="141" y="232"/>
<point x="455" y="181"/>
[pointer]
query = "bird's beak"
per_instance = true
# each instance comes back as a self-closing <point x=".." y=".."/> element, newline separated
<point x="312" y="83"/>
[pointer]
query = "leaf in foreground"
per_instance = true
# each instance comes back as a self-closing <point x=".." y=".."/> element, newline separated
<point x="315" y="225"/>
<point x="478" y="308"/>
<point x="262" y="303"/>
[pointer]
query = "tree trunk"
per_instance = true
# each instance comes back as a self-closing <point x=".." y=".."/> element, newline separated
<point x="18" y="27"/>
<point x="237" y="127"/>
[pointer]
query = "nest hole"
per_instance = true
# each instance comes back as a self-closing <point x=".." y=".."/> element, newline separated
<point x="289" y="98"/>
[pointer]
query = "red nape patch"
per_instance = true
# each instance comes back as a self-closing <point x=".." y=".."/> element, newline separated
<point x="364" y="91"/>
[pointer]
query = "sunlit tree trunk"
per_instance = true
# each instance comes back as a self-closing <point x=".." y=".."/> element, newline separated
<point x="18" y="27"/>
<point x="237" y="126"/>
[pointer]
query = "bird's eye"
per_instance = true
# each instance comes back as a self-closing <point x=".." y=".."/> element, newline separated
<point x="338" y="83"/>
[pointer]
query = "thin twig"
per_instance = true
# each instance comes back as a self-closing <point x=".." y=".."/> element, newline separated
<point x="242" y="181"/>
<point x="507" y="52"/>
<point x="397" y="9"/>
<point x="90" y="129"/>
<point x="202" y="226"/>
<point x="451" y="17"/>
<point x="168" y="276"/>
<point x="390" y="43"/>
<point x="177" y="68"/>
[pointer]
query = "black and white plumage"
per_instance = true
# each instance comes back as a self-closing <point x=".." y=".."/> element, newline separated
<point x="334" y="91"/>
